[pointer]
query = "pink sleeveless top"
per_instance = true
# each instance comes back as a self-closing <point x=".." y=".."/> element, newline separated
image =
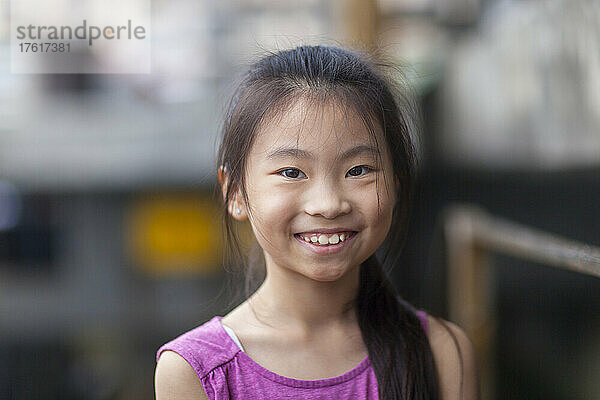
<point x="226" y="372"/>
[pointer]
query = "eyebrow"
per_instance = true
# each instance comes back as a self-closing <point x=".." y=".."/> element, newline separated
<point x="293" y="152"/>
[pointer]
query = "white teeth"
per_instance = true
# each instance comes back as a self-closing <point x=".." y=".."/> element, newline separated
<point x="323" y="240"/>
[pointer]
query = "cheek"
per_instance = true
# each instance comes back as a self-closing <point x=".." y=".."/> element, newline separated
<point x="380" y="211"/>
<point x="274" y="207"/>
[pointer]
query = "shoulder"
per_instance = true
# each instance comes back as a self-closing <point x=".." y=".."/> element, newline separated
<point x="184" y="363"/>
<point x="176" y="379"/>
<point x="204" y="347"/>
<point x="455" y="360"/>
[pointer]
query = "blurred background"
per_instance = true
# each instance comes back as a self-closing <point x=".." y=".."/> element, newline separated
<point x="110" y="232"/>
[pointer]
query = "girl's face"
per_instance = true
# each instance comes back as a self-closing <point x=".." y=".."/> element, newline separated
<point x="311" y="176"/>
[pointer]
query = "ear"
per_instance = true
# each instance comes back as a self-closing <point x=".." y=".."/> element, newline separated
<point x="236" y="205"/>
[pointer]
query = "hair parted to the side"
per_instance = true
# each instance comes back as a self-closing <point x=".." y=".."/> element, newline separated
<point x="396" y="342"/>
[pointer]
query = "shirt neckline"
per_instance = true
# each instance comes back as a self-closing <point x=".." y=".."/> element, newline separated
<point x="245" y="359"/>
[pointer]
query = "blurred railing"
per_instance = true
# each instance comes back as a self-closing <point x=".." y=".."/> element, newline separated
<point x="472" y="235"/>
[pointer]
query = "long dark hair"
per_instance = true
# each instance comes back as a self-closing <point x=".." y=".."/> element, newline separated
<point x="396" y="342"/>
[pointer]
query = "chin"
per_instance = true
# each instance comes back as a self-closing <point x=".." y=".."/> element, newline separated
<point x="327" y="274"/>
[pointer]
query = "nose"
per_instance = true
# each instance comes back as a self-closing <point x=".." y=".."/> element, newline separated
<point x="327" y="200"/>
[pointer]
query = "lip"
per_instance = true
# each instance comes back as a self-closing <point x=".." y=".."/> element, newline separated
<point x="329" y="249"/>
<point x="327" y="230"/>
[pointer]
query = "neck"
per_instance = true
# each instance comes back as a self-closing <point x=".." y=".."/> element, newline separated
<point x="289" y="300"/>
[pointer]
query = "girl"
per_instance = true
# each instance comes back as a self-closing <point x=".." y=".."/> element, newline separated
<point x="316" y="153"/>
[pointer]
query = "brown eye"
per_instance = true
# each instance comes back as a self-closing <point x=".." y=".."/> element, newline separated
<point x="358" y="170"/>
<point x="292" y="173"/>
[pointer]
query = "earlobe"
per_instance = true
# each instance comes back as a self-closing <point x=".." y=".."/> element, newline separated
<point x="240" y="214"/>
<point x="234" y="208"/>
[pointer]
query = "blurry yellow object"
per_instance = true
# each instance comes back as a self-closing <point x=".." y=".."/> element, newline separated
<point x="175" y="233"/>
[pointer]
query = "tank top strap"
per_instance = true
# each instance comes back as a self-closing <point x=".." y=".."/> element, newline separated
<point x="423" y="318"/>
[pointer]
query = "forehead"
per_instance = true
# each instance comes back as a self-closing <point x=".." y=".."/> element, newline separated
<point x="319" y="127"/>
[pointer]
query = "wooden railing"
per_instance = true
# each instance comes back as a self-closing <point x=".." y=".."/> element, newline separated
<point x="472" y="235"/>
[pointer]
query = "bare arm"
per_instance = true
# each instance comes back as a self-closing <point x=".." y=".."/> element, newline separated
<point x="175" y="379"/>
<point x="448" y="361"/>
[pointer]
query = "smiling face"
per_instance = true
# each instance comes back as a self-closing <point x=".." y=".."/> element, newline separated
<point x="320" y="201"/>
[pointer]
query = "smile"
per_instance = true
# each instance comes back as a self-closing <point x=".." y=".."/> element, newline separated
<point x="322" y="243"/>
<point x="325" y="239"/>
